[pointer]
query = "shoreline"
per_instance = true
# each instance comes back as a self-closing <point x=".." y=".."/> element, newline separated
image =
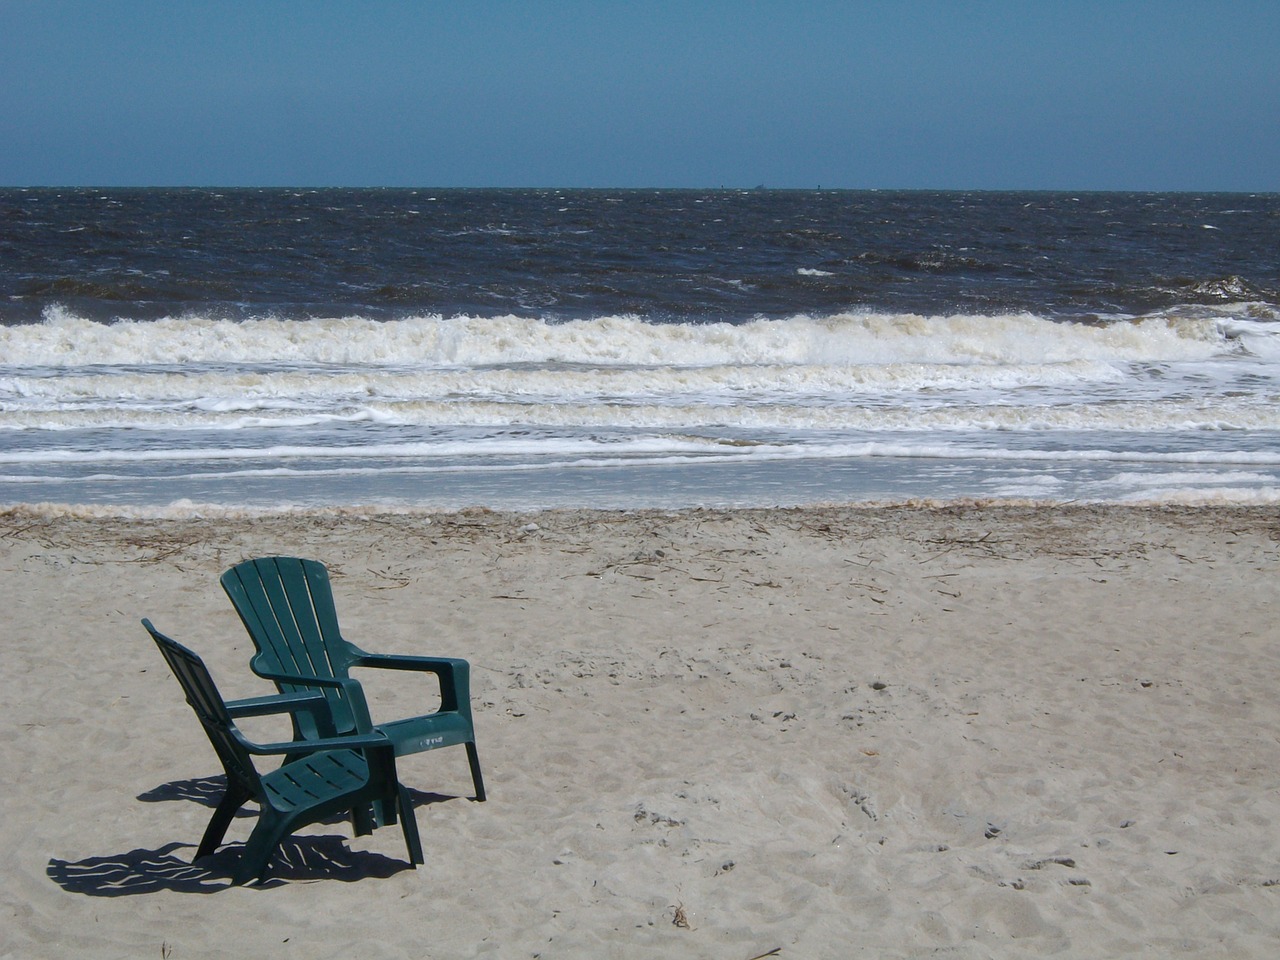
<point x="982" y="728"/>
<point x="188" y="510"/>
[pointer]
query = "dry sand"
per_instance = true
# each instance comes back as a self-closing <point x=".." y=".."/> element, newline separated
<point x="970" y="731"/>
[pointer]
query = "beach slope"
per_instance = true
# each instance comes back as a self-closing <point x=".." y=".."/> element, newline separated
<point x="973" y="730"/>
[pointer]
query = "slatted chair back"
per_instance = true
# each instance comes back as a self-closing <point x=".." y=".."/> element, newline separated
<point x="203" y="696"/>
<point x="286" y="604"/>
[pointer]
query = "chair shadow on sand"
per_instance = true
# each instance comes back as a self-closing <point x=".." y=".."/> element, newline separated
<point x="305" y="858"/>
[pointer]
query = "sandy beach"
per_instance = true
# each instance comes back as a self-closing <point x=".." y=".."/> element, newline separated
<point x="967" y="731"/>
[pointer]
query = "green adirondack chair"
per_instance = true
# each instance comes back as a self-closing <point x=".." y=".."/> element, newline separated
<point x="287" y="606"/>
<point x="321" y="777"/>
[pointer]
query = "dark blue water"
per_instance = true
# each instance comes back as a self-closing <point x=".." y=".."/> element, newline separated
<point x="533" y="348"/>
<point x="673" y="256"/>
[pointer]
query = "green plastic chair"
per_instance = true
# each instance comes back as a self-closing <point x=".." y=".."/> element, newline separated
<point x="321" y="777"/>
<point x="287" y="606"/>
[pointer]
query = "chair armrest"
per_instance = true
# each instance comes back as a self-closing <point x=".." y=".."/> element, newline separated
<point x="310" y="702"/>
<point x="392" y="661"/>
<point x="361" y="741"/>
<point x="275" y="703"/>
<point x="346" y="685"/>
<point x="351" y="690"/>
<point x="453" y="673"/>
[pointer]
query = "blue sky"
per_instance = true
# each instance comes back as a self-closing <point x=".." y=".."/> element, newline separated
<point x="968" y="94"/>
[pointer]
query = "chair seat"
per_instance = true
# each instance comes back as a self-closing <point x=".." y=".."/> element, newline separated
<point x="315" y="779"/>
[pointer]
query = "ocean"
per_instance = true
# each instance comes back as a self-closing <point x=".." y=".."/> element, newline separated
<point x="179" y="350"/>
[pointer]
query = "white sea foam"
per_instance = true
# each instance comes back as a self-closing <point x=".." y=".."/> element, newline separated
<point x="188" y="405"/>
<point x="232" y="416"/>
<point x="569" y="384"/>
<point x="64" y="339"/>
<point x="1197" y="496"/>
<point x="551" y="451"/>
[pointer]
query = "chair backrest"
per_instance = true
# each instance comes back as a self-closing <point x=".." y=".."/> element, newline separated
<point x="286" y="604"/>
<point x="203" y="696"/>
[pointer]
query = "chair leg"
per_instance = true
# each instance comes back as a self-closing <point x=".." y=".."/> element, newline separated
<point x="364" y="818"/>
<point x="473" y="758"/>
<point x="231" y="801"/>
<point x="255" y="861"/>
<point x="409" y="824"/>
